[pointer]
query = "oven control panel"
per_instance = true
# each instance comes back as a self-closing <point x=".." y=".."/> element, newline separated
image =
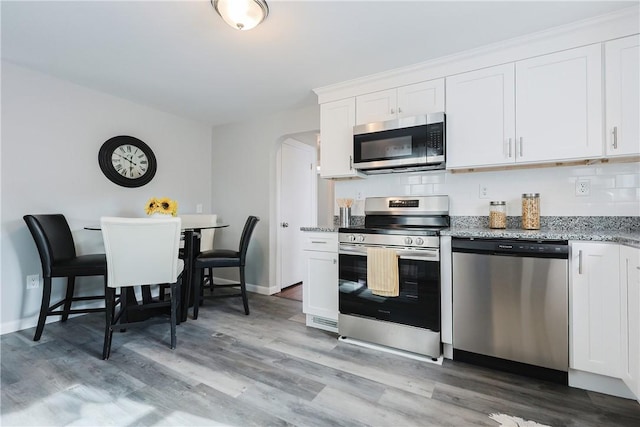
<point x="390" y="240"/>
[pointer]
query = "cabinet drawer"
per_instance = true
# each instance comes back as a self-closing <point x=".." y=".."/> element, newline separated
<point x="325" y="242"/>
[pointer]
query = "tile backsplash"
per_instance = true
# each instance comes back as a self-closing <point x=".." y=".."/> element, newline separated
<point x="614" y="189"/>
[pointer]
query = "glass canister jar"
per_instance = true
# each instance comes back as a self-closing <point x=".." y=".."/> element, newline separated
<point x="497" y="214"/>
<point x="531" y="211"/>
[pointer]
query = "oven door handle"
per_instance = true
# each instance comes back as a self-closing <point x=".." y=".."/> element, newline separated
<point x="418" y="255"/>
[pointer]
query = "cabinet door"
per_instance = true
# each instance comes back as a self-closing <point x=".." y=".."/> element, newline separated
<point x="594" y="327"/>
<point x="421" y="98"/>
<point x="559" y="106"/>
<point x="622" y="77"/>
<point x="320" y="287"/>
<point x="336" y="133"/>
<point x="481" y="117"/>
<point x="630" y="317"/>
<point x="376" y="107"/>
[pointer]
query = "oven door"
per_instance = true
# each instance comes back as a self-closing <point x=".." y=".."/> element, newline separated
<point x="419" y="301"/>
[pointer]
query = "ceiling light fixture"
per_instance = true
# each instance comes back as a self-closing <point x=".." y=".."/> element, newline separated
<point x="241" y="14"/>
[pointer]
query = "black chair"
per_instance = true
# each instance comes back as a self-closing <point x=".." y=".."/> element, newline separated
<point x="223" y="258"/>
<point x="57" y="251"/>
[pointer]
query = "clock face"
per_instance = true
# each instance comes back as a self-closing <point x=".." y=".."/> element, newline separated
<point x="127" y="161"/>
<point x="130" y="161"/>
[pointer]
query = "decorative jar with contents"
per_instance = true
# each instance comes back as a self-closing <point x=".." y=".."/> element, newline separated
<point x="531" y="211"/>
<point x="497" y="214"/>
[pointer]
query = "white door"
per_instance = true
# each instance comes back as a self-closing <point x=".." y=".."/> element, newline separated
<point x="481" y="117"/>
<point x="622" y="74"/>
<point x="337" y="119"/>
<point x="559" y="105"/>
<point x="376" y="107"/>
<point x="421" y="98"/>
<point x="297" y="207"/>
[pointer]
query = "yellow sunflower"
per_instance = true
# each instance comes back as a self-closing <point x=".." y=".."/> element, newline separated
<point x="152" y="206"/>
<point x="162" y="205"/>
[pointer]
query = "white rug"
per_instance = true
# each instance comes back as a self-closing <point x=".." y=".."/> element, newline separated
<point x="511" y="421"/>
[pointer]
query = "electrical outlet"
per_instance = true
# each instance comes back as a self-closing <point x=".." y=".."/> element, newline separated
<point x="483" y="191"/>
<point x="33" y="281"/>
<point x="583" y="187"/>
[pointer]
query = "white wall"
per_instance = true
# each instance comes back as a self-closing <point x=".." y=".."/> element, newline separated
<point x="244" y="183"/>
<point x="51" y="133"/>
<point x="615" y="189"/>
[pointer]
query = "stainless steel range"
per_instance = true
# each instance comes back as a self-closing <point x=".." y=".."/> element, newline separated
<point x="410" y="228"/>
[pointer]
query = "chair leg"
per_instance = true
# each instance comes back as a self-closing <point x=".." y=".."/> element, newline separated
<point x="110" y="295"/>
<point x="44" y="307"/>
<point x="243" y="290"/>
<point x="174" y="308"/>
<point x="71" y="284"/>
<point x="179" y="298"/>
<point x="197" y="282"/>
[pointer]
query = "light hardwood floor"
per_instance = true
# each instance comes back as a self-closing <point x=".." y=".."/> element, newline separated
<point x="265" y="369"/>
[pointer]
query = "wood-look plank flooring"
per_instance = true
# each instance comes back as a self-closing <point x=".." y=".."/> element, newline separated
<point x="265" y="369"/>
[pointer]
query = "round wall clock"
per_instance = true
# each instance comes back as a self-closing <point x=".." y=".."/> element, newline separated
<point x="127" y="161"/>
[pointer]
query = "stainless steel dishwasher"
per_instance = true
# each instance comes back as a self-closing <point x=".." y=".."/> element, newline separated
<point x="510" y="305"/>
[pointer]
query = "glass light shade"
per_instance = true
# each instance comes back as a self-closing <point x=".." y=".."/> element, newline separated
<point x="241" y="14"/>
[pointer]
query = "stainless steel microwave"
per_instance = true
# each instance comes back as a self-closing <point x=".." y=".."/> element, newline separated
<point x="400" y="145"/>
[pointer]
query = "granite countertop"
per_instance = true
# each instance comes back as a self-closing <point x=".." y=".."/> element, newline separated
<point x="630" y="238"/>
<point x="624" y="237"/>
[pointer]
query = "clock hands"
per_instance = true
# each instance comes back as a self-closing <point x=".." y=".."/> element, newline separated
<point x="126" y="158"/>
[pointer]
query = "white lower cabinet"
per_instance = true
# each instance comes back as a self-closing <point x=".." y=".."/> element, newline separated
<point x="594" y="331"/>
<point x="630" y="318"/>
<point x="320" y="286"/>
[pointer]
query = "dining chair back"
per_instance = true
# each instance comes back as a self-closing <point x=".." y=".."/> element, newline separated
<point x="56" y="247"/>
<point x="139" y="252"/>
<point x="223" y="258"/>
<point x="201" y="220"/>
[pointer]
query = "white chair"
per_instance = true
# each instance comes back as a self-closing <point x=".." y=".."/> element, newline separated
<point x="202" y="220"/>
<point x="140" y="251"/>
<point x="206" y="236"/>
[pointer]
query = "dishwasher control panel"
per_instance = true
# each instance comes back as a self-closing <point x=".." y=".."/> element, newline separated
<point x="546" y="249"/>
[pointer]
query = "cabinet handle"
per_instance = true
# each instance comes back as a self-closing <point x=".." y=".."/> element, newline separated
<point x="318" y="241"/>
<point x="350" y="162"/>
<point x="615" y="137"/>
<point x="392" y="112"/>
<point x="580" y="262"/>
<point x="335" y="261"/>
<point x="521" y="151"/>
<point x="399" y="110"/>
<point x="509" y="147"/>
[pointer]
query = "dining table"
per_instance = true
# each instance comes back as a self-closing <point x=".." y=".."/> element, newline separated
<point x="191" y="234"/>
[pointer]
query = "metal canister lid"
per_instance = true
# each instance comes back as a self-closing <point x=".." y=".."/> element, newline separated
<point x="497" y="203"/>
<point x="530" y="195"/>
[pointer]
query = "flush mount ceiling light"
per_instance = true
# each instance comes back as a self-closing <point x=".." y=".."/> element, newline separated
<point x="241" y="14"/>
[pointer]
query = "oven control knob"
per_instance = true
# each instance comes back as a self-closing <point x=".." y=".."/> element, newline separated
<point x="408" y="240"/>
<point x="419" y="241"/>
<point x="352" y="238"/>
<point x="361" y="238"/>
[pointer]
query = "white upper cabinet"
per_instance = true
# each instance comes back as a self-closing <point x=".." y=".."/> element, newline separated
<point x="337" y="119"/>
<point x="411" y="100"/>
<point x="547" y="108"/>
<point x="559" y="106"/>
<point x="622" y="71"/>
<point x="481" y="117"/>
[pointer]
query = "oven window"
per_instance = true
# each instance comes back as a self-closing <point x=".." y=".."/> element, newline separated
<point x="417" y="305"/>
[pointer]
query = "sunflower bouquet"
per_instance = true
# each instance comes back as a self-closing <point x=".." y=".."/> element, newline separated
<point x="163" y="205"/>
